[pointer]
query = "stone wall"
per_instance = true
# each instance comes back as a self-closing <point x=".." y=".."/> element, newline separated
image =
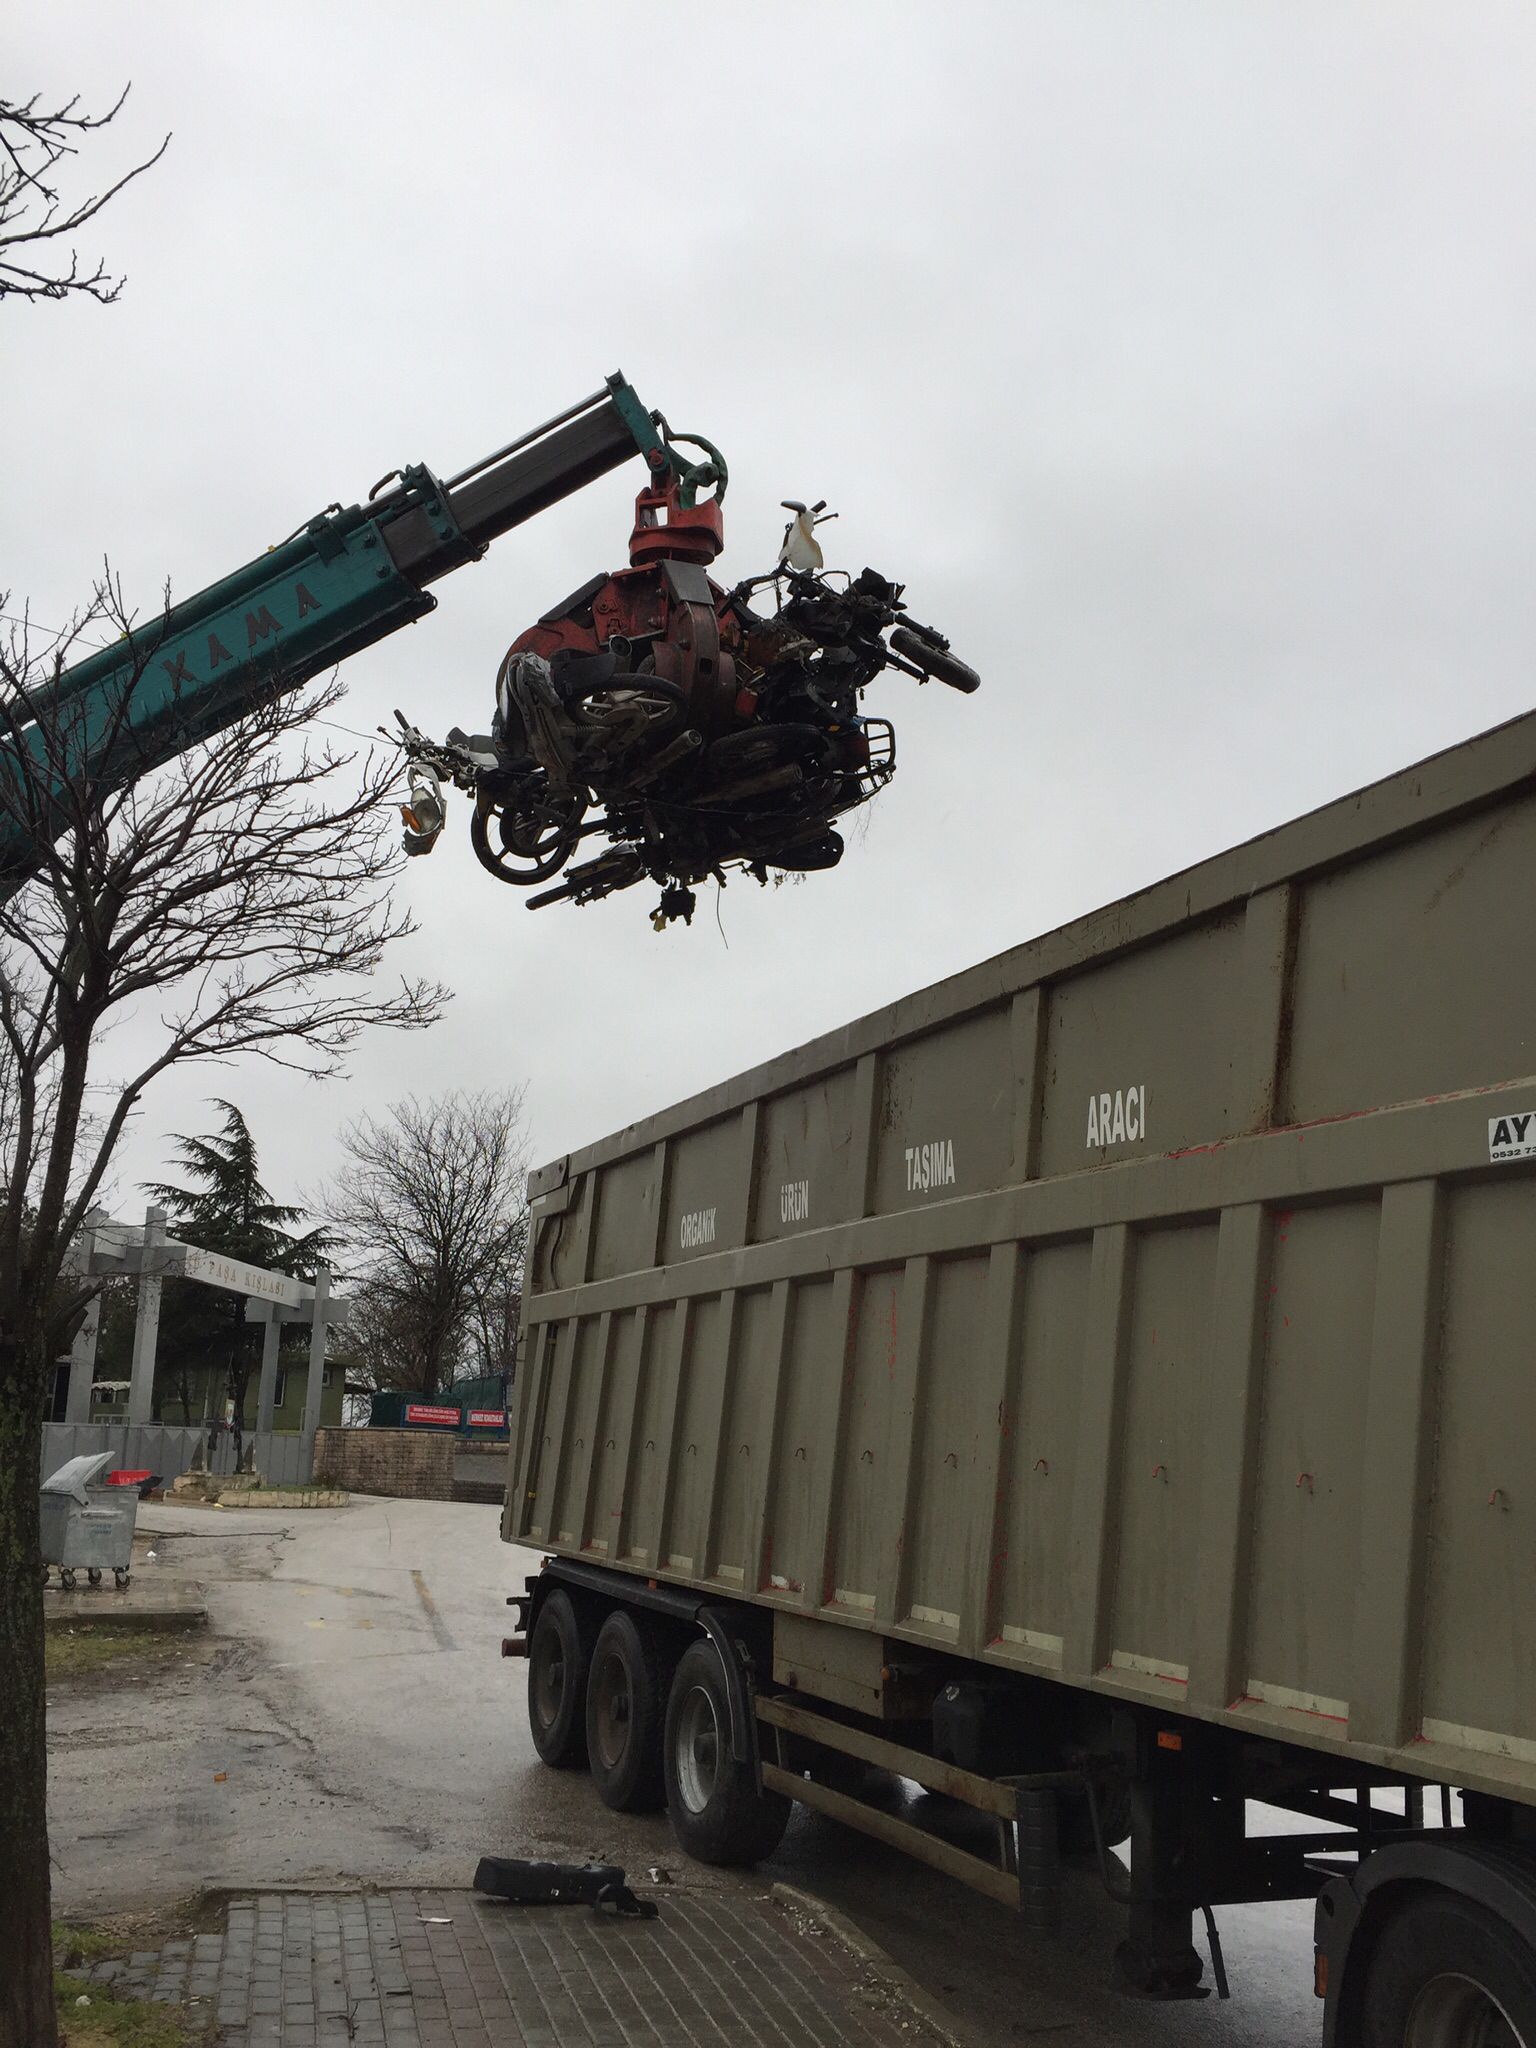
<point x="409" y="1464"/>
<point x="480" y="1473"/>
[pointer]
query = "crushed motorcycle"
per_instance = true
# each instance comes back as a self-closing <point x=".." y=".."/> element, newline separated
<point x="681" y="727"/>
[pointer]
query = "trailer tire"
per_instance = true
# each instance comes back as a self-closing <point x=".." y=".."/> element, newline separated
<point x="718" y="1812"/>
<point x="559" y="1656"/>
<point x="626" y="1714"/>
<point x="1444" y="1971"/>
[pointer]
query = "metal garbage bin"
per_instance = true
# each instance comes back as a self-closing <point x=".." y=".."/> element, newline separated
<point x="86" y="1524"/>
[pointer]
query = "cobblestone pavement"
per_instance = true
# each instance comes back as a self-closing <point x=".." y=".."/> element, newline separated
<point x="451" y="1970"/>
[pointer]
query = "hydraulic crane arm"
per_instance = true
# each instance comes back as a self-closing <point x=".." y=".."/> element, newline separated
<point x="346" y="579"/>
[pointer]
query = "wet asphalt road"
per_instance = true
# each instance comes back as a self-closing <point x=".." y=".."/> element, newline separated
<point x="349" y="1718"/>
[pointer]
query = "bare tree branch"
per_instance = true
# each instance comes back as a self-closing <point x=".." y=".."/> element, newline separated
<point x="239" y="897"/>
<point x="432" y="1207"/>
<point x="35" y="139"/>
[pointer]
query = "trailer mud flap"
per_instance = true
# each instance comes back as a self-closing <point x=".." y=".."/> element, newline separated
<point x="738" y="1690"/>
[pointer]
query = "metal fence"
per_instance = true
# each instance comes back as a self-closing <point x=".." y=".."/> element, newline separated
<point x="283" y="1457"/>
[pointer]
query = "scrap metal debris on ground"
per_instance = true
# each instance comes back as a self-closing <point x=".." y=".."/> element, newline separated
<point x="522" y="1883"/>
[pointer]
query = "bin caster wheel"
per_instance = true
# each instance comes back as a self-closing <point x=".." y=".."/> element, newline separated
<point x="66" y="1579"/>
<point x="93" y="1575"/>
<point x="122" y="1577"/>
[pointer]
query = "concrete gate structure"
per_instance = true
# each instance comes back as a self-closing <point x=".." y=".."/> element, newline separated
<point x="108" y="1249"/>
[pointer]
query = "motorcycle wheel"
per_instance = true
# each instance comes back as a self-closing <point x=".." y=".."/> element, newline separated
<point x="545" y="848"/>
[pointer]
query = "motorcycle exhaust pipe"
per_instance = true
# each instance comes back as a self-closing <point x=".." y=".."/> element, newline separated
<point x="676" y="750"/>
<point x="935" y="661"/>
<point x="577" y="879"/>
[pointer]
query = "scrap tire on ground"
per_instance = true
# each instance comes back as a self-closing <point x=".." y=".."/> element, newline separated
<point x="626" y="1711"/>
<point x="1445" y="1970"/>
<point x="559" y="1656"/>
<point x="717" y="1812"/>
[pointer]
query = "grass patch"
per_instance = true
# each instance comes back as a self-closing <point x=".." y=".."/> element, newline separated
<point x="76" y="1948"/>
<point x="75" y="1653"/>
<point x="110" y="2021"/>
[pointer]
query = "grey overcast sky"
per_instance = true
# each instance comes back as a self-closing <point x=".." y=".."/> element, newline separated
<point x="1179" y="359"/>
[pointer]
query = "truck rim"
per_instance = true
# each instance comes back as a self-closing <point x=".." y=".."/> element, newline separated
<point x="549" y="1682"/>
<point x="611" y="1721"/>
<point x="1453" y="2011"/>
<point x="698" y="1750"/>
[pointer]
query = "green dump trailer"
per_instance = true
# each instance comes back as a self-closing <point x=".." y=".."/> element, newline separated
<point x="1101" y="1387"/>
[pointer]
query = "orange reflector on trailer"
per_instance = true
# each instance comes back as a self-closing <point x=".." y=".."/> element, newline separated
<point x="1169" y="1738"/>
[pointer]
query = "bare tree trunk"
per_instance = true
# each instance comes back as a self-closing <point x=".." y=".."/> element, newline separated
<point x="27" y="2018"/>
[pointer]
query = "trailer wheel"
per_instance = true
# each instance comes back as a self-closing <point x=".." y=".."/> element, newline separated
<point x="718" y="1814"/>
<point x="559" y="1654"/>
<point x="626" y="1713"/>
<point x="1445" y="1974"/>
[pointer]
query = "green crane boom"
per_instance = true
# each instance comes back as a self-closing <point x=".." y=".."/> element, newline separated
<point x="345" y="580"/>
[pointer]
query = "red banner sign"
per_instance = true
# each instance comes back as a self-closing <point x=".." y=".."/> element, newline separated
<point x="449" y="1417"/>
<point x="487" y="1418"/>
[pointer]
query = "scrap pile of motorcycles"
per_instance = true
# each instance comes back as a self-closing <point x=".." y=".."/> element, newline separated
<point x="659" y="727"/>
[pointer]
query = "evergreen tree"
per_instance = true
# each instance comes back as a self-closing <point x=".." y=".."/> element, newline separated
<point x="228" y="1209"/>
